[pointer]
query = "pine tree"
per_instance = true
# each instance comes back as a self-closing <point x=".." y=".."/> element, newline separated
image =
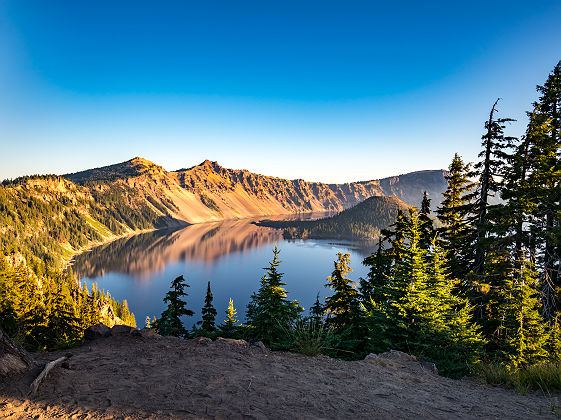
<point x="554" y="341"/>
<point x="344" y="302"/>
<point x="317" y="312"/>
<point x="456" y="234"/>
<point x="373" y="288"/>
<point x="411" y="306"/>
<point x="230" y="327"/>
<point x="544" y="178"/>
<point x="426" y="224"/>
<point x="170" y="320"/>
<point x="488" y="171"/>
<point x="208" y="313"/>
<point x="269" y="311"/>
<point x="525" y="334"/>
<point x="459" y="342"/>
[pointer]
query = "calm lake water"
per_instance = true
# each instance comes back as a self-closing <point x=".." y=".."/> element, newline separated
<point x="229" y="254"/>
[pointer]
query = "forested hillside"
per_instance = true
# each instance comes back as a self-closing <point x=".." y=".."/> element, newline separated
<point x="363" y="221"/>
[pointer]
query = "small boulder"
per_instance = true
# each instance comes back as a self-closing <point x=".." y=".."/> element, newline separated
<point x="97" y="331"/>
<point x="121" y="329"/>
<point x="398" y="356"/>
<point x="431" y="367"/>
<point x="205" y="341"/>
<point x="149" y="333"/>
<point x="260" y="345"/>
<point x="232" y="341"/>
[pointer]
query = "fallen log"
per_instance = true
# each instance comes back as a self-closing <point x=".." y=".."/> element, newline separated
<point x="37" y="382"/>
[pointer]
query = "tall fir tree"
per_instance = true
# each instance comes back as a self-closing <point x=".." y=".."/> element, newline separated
<point x="426" y="223"/>
<point x="544" y="178"/>
<point x="317" y="312"/>
<point x="208" y="323"/>
<point x="374" y="286"/>
<point x="344" y="304"/>
<point x="170" y="322"/>
<point x="489" y="171"/>
<point x="456" y="233"/>
<point x="269" y="311"/>
<point x="524" y="332"/>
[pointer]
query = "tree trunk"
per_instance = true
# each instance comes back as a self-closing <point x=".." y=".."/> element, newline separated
<point x="13" y="358"/>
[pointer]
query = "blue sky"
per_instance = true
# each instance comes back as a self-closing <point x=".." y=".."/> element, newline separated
<point x="326" y="91"/>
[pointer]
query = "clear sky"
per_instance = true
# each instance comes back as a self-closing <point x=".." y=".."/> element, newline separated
<point x="320" y="90"/>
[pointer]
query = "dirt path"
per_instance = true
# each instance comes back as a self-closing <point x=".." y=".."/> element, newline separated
<point x="141" y="377"/>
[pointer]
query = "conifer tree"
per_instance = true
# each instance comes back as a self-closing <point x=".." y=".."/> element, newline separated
<point x="525" y="334"/>
<point x="170" y="320"/>
<point x="269" y="311"/>
<point x="344" y="304"/>
<point x="544" y="178"/>
<point x="208" y="313"/>
<point x="230" y="327"/>
<point x="456" y="234"/>
<point x="554" y="339"/>
<point x="459" y="342"/>
<point x="488" y="170"/>
<point x="425" y="221"/>
<point x="317" y="312"/>
<point x="373" y="287"/>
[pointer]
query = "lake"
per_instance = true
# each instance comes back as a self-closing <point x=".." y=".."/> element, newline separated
<point x="230" y="254"/>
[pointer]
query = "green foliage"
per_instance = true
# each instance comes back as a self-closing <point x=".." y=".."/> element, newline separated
<point x="523" y="327"/>
<point x="170" y="322"/>
<point x="456" y="234"/>
<point x="269" y="311"/>
<point x="416" y="310"/>
<point x="50" y="312"/>
<point x="541" y="377"/>
<point x="208" y="313"/>
<point x="307" y="336"/>
<point x="231" y="326"/>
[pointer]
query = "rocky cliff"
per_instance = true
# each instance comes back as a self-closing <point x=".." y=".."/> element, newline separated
<point x="209" y="192"/>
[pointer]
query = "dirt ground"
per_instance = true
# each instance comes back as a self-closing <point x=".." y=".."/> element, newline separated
<point x="141" y="377"/>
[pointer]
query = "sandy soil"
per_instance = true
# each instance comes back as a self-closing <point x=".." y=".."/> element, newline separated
<point x="141" y="377"/>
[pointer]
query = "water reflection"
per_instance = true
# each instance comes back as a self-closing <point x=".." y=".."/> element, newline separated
<point x="143" y="254"/>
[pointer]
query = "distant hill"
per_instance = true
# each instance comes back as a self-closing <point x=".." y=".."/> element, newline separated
<point x="363" y="221"/>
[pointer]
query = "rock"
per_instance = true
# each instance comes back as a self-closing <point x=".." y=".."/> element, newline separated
<point x="135" y="332"/>
<point x="392" y="355"/>
<point x="205" y="341"/>
<point x="97" y="331"/>
<point x="149" y="333"/>
<point x="398" y="356"/>
<point x="260" y="345"/>
<point x="431" y="367"/>
<point x="232" y="341"/>
<point x="121" y="329"/>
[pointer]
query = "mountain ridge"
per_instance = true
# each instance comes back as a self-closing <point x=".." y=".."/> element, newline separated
<point x="209" y="192"/>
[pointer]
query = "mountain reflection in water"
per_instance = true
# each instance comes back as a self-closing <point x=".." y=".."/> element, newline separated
<point x="149" y="252"/>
